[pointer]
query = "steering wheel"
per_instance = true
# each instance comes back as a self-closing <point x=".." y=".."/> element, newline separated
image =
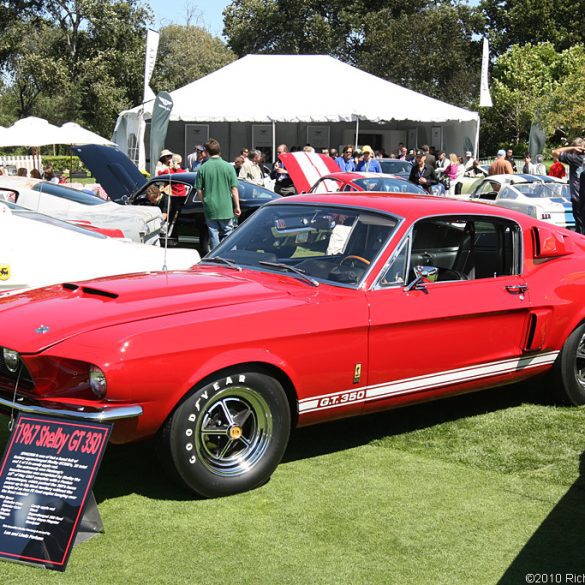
<point x="352" y="257"/>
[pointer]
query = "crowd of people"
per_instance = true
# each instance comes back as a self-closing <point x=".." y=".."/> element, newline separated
<point x="217" y="186"/>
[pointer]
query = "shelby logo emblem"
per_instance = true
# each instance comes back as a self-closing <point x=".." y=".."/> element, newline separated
<point x="4" y="272"/>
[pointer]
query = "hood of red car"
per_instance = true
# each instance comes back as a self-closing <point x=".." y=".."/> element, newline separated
<point x="35" y="320"/>
<point x="306" y="168"/>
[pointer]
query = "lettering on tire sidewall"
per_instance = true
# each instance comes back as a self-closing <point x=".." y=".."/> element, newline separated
<point x="199" y="409"/>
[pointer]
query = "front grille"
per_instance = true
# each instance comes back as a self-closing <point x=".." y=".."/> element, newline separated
<point x="8" y="378"/>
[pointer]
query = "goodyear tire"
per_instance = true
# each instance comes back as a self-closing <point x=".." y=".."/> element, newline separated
<point x="229" y="435"/>
<point x="569" y="372"/>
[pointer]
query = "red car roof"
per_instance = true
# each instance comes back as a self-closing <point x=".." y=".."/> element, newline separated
<point x="408" y="206"/>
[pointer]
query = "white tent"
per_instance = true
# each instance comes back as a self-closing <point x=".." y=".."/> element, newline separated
<point x="72" y="133"/>
<point x="34" y="131"/>
<point x="30" y="131"/>
<point x="276" y="89"/>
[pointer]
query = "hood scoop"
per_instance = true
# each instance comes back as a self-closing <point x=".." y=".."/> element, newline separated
<point x="89" y="290"/>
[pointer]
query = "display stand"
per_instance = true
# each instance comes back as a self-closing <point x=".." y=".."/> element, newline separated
<point x="47" y="504"/>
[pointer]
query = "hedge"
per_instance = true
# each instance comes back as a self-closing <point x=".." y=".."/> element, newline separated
<point x="60" y="163"/>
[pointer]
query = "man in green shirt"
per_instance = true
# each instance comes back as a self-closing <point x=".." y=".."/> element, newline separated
<point x="217" y="187"/>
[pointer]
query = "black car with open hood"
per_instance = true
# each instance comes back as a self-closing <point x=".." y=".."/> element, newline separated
<point x="124" y="183"/>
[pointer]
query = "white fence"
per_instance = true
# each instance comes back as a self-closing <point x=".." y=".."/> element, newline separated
<point x="13" y="163"/>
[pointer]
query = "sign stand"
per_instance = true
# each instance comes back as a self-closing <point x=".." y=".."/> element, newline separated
<point x="91" y="524"/>
<point x="47" y="473"/>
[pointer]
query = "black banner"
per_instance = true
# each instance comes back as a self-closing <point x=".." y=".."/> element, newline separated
<point x="46" y="478"/>
<point x="161" y="112"/>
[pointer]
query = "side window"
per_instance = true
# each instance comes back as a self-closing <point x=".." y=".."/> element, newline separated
<point x="487" y="191"/>
<point x="8" y="195"/>
<point x="507" y="193"/>
<point x="462" y="248"/>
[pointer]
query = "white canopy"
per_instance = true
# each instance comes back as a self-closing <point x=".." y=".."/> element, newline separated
<point x="34" y="131"/>
<point x="302" y="88"/>
<point x="72" y="133"/>
<point x="29" y="131"/>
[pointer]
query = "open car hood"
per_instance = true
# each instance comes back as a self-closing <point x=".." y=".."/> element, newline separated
<point x="116" y="173"/>
<point x="306" y="168"/>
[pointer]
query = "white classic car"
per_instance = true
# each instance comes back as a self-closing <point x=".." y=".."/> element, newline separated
<point x="140" y="224"/>
<point x="37" y="250"/>
<point x="548" y="201"/>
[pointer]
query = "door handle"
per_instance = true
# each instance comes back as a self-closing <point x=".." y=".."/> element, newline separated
<point x="517" y="289"/>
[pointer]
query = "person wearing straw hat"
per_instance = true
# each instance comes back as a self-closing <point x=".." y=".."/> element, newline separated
<point x="164" y="161"/>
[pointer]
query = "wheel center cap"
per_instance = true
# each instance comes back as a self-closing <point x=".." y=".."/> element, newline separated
<point x="235" y="432"/>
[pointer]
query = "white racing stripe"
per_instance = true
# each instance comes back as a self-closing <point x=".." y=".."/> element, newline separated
<point x="419" y="383"/>
<point x="311" y="165"/>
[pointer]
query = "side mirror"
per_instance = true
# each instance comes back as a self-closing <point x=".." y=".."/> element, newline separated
<point x="423" y="275"/>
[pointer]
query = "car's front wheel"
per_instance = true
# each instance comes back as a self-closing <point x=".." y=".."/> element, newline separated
<point x="229" y="435"/>
<point x="569" y="372"/>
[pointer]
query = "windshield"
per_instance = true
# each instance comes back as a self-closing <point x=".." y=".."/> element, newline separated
<point x="327" y="243"/>
<point x="388" y="185"/>
<point x="396" y="167"/>
<point x="68" y="193"/>
<point x="539" y="190"/>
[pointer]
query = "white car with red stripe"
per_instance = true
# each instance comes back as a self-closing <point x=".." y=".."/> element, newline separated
<point x="37" y="250"/>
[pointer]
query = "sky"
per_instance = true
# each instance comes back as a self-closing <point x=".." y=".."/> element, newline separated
<point x="174" y="11"/>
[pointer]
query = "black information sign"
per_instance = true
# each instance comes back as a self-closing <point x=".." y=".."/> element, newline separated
<point x="46" y="477"/>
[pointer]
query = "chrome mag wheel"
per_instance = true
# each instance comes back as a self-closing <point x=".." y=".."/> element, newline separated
<point x="227" y="435"/>
<point x="233" y="432"/>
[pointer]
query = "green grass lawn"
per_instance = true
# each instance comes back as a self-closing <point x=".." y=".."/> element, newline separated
<point x="481" y="488"/>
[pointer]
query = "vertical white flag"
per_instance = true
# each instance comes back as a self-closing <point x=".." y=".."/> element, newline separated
<point x="150" y="60"/>
<point x="485" y="99"/>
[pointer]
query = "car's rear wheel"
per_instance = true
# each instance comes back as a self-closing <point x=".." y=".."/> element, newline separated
<point x="229" y="435"/>
<point x="569" y="372"/>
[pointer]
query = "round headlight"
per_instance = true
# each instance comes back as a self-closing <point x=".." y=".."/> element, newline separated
<point x="97" y="381"/>
<point x="11" y="359"/>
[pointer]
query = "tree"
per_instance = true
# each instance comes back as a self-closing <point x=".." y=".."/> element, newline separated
<point x="534" y="83"/>
<point x="563" y="110"/>
<point x="31" y="69"/>
<point x="330" y="27"/>
<point x="432" y="50"/>
<point x="518" y="22"/>
<point x="78" y="60"/>
<point x="185" y="54"/>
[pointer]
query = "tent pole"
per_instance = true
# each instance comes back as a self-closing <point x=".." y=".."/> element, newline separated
<point x="357" y="131"/>
<point x="273" y="141"/>
<point x="476" y="145"/>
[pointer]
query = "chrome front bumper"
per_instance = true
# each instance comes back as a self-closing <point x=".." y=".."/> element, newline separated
<point x="73" y="411"/>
